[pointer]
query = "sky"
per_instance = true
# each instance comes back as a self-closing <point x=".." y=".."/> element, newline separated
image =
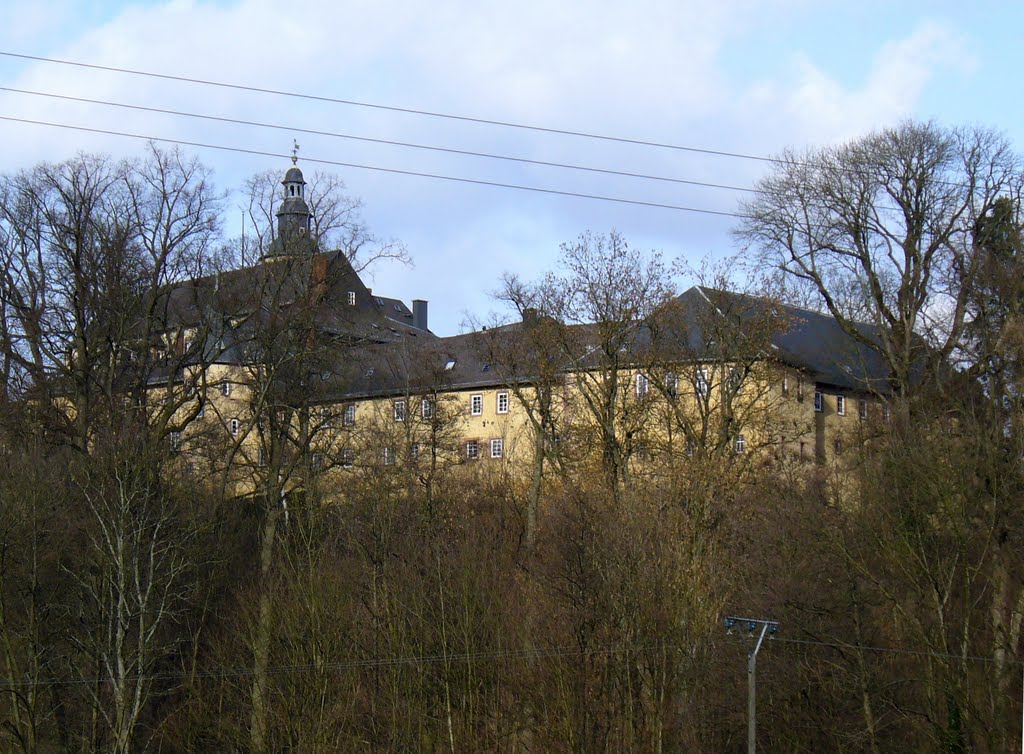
<point x="735" y="76"/>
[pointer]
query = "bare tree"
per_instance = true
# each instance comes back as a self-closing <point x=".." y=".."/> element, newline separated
<point x="881" y="229"/>
<point x="602" y="295"/>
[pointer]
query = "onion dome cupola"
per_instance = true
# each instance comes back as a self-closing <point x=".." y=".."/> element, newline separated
<point x="293" y="217"/>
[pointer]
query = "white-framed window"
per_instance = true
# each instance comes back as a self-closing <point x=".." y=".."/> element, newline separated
<point x="389" y="456"/>
<point x="316" y="461"/>
<point x="502" y="403"/>
<point x="414" y="452"/>
<point x="497" y="447"/>
<point x="175" y="440"/>
<point x="819" y="401"/>
<point x="703" y="385"/>
<point x="735" y="379"/>
<point x="427" y="408"/>
<point x="351" y="298"/>
<point x="347" y="458"/>
<point x="472" y="450"/>
<point x="643" y="385"/>
<point x="399" y="411"/>
<point x="348" y="416"/>
<point x="671" y="384"/>
<point x="476" y="404"/>
<point x="225" y="388"/>
<point x="740" y="444"/>
<point x="862" y="409"/>
<point x="234" y="426"/>
<point x="841" y="405"/>
<point x="785" y="386"/>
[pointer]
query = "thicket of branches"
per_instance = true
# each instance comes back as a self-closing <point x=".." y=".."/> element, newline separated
<point x="572" y="606"/>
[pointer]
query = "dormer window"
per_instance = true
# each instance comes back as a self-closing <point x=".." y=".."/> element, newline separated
<point x="351" y="298"/>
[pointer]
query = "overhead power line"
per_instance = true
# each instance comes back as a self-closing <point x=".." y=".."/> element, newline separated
<point x="369" y="139"/>
<point x="394" y="108"/>
<point x="895" y="650"/>
<point x="377" y="168"/>
<point x="489" y="656"/>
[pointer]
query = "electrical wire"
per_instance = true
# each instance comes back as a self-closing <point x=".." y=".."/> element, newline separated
<point x="396" y="171"/>
<point x="462" y="657"/>
<point x="369" y="662"/>
<point x="393" y="108"/>
<point x="389" y="142"/>
<point x="433" y="114"/>
<point x="895" y="650"/>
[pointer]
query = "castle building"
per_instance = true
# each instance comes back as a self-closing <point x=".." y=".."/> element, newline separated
<point x="296" y="362"/>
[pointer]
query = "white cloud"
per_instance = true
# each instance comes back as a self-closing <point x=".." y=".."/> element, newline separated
<point x="650" y="70"/>
<point x="815" y="106"/>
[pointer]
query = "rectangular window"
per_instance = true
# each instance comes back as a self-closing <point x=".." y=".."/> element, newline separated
<point x="862" y="409"/>
<point x="691" y="446"/>
<point x="671" y="384"/>
<point x="472" y="450"/>
<point x="427" y="408"/>
<point x="819" y="401"/>
<point x="642" y="385"/>
<point x="175" y="440"/>
<point x="225" y="388"/>
<point x="702" y="384"/>
<point x="326" y="418"/>
<point x="316" y="462"/>
<point x="234" y="427"/>
<point x="735" y="379"/>
<point x="841" y="405"/>
<point x="348" y="418"/>
<point x="785" y="386"/>
<point x="886" y="412"/>
<point x="497" y="447"/>
<point x="502" y="406"/>
<point x="414" y="452"/>
<point x="389" y="456"/>
<point x="399" y="410"/>
<point x="348" y="458"/>
<point x="741" y="444"/>
<point x="476" y="404"/>
<point x="838" y="446"/>
<point x="351" y="298"/>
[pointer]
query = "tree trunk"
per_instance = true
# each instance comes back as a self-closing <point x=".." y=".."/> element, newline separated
<point x="258" y="731"/>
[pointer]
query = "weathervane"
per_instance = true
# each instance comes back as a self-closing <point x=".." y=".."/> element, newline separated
<point x="295" y="152"/>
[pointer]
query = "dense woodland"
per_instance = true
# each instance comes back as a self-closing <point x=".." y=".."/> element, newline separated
<point x="572" y="606"/>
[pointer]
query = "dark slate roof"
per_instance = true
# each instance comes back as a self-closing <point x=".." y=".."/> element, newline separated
<point x="686" y="330"/>
<point x="808" y="340"/>
<point x="394" y="309"/>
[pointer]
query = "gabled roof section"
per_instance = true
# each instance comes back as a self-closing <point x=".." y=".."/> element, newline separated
<point x="808" y="340"/>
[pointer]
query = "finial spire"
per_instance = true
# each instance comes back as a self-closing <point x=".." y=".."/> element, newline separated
<point x="295" y="152"/>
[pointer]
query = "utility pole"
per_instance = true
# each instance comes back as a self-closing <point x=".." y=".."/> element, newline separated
<point x="769" y="627"/>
